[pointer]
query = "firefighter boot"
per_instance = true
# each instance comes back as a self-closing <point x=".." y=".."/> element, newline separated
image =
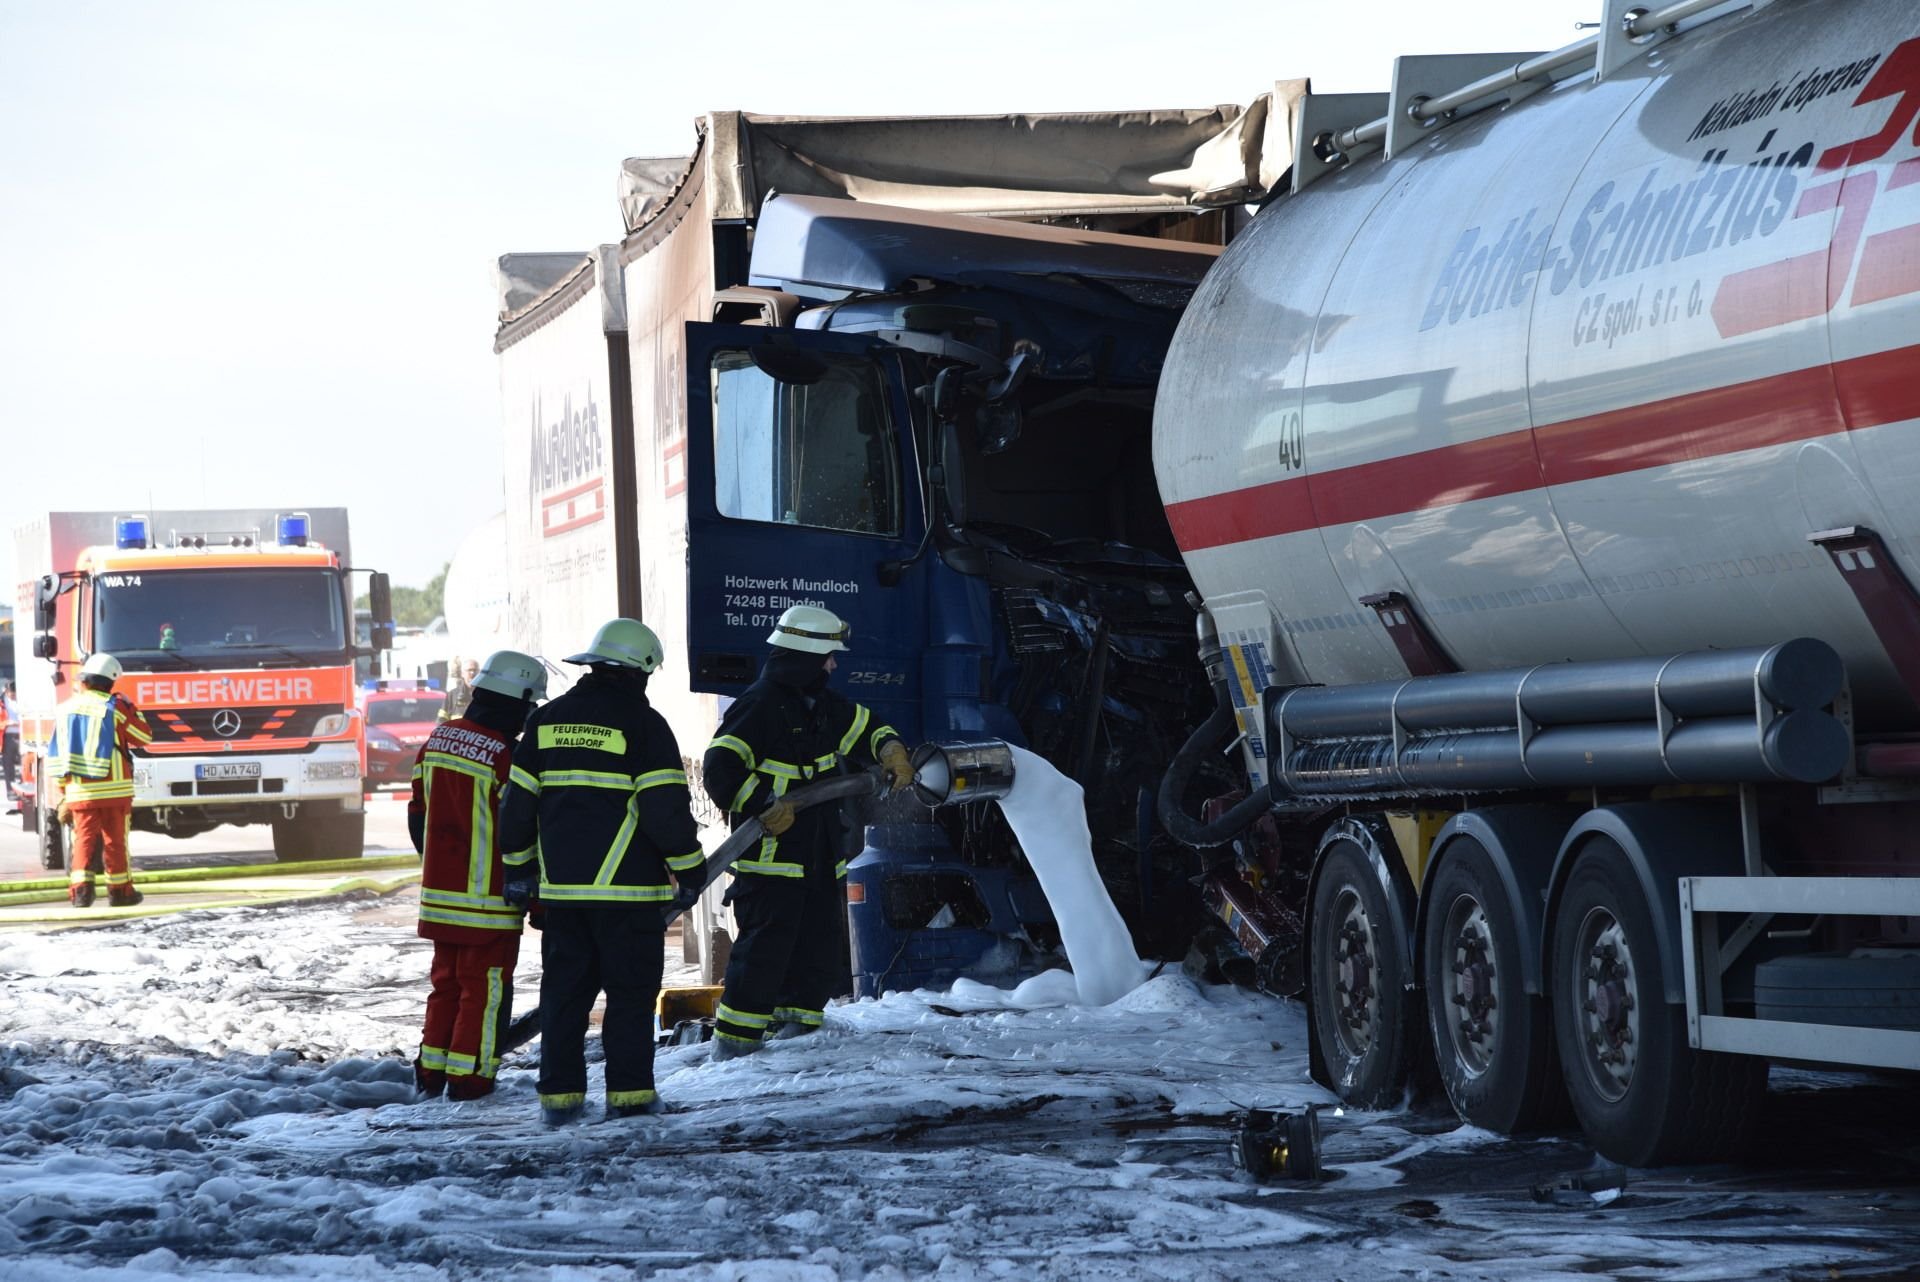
<point x="644" y="1108"/>
<point x="726" y="1048"/>
<point x="791" y="1029"/>
<point x="123" y="896"/>
<point x="428" y="1081"/>
<point x="462" y="1086"/>
<point x="559" y="1110"/>
<point x="80" y="894"/>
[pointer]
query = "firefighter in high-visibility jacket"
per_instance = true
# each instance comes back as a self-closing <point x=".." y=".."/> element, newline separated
<point x="458" y="778"/>
<point x="599" y="783"/>
<point x="789" y="903"/>
<point x="91" y="760"/>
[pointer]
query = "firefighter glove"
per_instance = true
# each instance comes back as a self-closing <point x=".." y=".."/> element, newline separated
<point x="62" y="813"/>
<point x="777" y="818"/>
<point x="519" y="893"/>
<point x="686" y="897"/>
<point x="893" y="757"/>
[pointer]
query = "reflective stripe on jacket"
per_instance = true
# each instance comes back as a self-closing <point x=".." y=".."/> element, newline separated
<point x="94" y="735"/>
<point x="774" y="737"/>
<point x="458" y="778"/>
<point x="598" y="780"/>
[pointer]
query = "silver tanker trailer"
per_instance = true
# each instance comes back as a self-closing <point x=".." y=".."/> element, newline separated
<point x="1547" y="456"/>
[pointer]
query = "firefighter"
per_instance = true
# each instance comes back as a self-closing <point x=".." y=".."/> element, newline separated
<point x="458" y="779"/>
<point x="788" y="902"/>
<point x="94" y="735"/>
<point x="599" y="783"/>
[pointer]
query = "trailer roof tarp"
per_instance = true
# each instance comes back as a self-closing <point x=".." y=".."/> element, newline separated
<point x="1013" y="166"/>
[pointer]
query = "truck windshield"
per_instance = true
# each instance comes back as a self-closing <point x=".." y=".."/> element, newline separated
<point x="157" y="620"/>
<point x="819" y="453"/>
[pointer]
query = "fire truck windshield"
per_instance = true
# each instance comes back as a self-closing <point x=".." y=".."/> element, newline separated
<point x="181" y="618"/>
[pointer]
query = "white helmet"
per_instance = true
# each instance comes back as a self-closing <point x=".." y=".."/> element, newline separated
<point x="625" y="643"/>
<point x="102" y="664"/>
<point x="516" y="675"/>
<point x="812" y="628"/>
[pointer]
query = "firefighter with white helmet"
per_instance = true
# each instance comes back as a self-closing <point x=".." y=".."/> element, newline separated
<point x="598" y="784"/>
<point x="788" y="900"/>
<point x="90" y="760"/>
<point x="458" y="779"/>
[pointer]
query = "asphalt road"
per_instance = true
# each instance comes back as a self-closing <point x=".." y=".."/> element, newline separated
<point x="386" y="835"/>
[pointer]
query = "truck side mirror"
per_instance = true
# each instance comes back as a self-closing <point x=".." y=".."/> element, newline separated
<point x="45" y="593"/>
<point x="380" y="602"/>
<point x="45" y="647"/>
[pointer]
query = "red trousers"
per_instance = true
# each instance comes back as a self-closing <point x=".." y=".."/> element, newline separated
<point x="469" y="1008"/>
<point x="100" y="839"/>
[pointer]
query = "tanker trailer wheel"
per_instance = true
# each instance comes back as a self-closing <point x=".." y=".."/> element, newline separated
<point x="1361" y="1010"/>
<point x="1492" y="1040"/>
<point x="1642" y="1094"/>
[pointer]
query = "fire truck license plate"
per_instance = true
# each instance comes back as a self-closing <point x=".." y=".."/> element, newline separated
<point x="228" y="770"/>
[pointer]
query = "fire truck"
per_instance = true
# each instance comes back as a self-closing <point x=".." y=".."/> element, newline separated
<point x="235" y="632"/>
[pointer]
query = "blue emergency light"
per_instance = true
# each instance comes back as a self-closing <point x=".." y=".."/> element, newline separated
<point x="294" y="528"/>
<point x="130" y="532"/>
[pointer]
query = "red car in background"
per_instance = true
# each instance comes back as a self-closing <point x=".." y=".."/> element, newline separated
<point x="400" y="715"/>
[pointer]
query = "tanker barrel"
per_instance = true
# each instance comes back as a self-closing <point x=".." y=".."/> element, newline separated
<point x="1807" y="746"/>
<point x="1455" y="701"/>
<point x="1802" y="673"/>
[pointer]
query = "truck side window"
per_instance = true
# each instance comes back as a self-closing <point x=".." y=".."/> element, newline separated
<point x="819" y="453"/>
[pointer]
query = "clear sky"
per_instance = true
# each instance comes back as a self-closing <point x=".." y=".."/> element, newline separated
<point x="248" y="246"/>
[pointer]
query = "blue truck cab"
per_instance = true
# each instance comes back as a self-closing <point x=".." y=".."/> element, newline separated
<point x="938" y="426"/>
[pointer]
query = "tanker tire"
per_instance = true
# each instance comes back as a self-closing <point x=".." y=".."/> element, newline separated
<point x="292" y="840"/>
<point x="1832" y="988"/>
<point x="1366" y="1021"/>
<point x="1508" y="1079"/>
<point x="1673" y="1104"/>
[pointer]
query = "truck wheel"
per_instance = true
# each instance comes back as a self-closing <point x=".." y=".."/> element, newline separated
<point x="1493" y="1041"/>
<point x="1642" y="1094"/>
<point x="1833" y="988"/>
<point x="51" y="839"/>
<point x="52" y="843"/>
<point x="342" y="836"/>
<point x="292" y="840"/>
<point x="1360" y="972"/>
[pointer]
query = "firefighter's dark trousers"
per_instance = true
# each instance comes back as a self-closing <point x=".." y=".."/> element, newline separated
<point x="788" y="958"/>
<point x="468" y="1012"/>
<point x="585" y="949"/>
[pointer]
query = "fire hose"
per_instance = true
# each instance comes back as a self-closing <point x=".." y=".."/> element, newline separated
<point x="866" y="783"/>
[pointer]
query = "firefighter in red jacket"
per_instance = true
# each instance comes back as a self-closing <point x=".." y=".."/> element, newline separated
<point x="94" y="735"/>
<point x="457" y="781"/>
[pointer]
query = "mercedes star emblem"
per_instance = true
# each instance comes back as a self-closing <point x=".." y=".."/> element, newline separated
<point x="226" y="723"/>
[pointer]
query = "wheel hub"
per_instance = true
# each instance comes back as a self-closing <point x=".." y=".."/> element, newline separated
<point x="1356" y="976"/>
<point x="1471" y="985"/>
<point x="1607" y="995"/>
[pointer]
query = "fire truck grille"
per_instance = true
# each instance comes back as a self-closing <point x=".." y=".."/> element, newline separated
<point x="253" y="726"/>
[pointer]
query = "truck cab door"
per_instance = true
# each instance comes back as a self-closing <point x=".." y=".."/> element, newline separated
<point x="803" y="489"/>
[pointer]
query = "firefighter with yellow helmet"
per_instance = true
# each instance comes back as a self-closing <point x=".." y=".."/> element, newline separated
<point x="789" y="905"/>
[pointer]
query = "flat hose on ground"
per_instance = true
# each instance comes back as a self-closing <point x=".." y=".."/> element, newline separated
<point x="866" y="783"/>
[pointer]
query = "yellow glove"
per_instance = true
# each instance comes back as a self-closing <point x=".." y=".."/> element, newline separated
<point x="776" y="818"/>
<point x="62" y="812"/>
<point x="893" y="758"/>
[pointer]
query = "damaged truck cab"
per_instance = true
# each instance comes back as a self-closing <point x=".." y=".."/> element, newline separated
<point x="939" y="427"/>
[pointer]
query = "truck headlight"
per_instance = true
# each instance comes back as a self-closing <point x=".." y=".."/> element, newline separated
<point x="332" y="769"/>
<point x="330" y="725"/>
